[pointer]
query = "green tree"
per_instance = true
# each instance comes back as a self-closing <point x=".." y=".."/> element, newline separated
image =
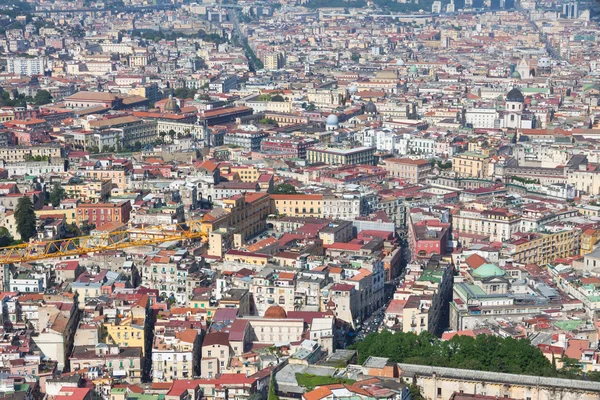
<point x="5" y="238"/>
<point x="278" y="98"/>
<point x="42" y="97"/>
<point x="57" y="194"/>
<point x="25" y="218"/>
<point x="355" y="57"/>
<point x="284" y="188"/>
<point x="311" y="106"/>
<point x="94" y="149"/>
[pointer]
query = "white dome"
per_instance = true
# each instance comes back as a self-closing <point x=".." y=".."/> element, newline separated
<point x="332" y="119"/>
<point x="544" y="62"/>
<point x="400" y="62"/>
<point x="353" y="89"/>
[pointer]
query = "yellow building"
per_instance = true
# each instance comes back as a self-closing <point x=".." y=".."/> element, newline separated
<point x="128" y="330"/>
<point x="470" y="165"/>
<point x="69" y="214"/>
<point x="297" y="205"/>
<point x="588" y="239"/>
<point x="246" y="213"/>
<point x="246" y="173"/>
<point x="246" y="257"/>
<point x="542" y="248"/>
<point x="118" y="177"/>
<point x="90" y="190"/>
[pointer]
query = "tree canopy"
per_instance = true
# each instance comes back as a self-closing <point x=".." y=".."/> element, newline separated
<point x="284" y="188"/>
<point x="57" y="194"/>
<point x="25" y="218"/>
<point x="483" y="353"/>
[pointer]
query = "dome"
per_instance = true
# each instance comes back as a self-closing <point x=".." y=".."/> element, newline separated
<point x="332" y="119"/>
<point x="171" y="105"/>
<point x="353" y="89"/>
<point x="487" y="271"/>
<point x="400" y="62"/>
<point x="515" y="95"/>
<point x="370" y="108"/>
<point x="413" y="69"/>
<point x="275" y="312"/>
<point x="515" y="75"/>
<point x="534" y="102"/>
<point x="544" y="62"/>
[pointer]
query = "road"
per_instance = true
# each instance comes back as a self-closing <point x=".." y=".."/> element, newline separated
<point x="234" y="18"/>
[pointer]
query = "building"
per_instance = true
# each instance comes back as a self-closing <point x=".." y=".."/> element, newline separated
<point x="412" y="171"/>
<point x="292" y="147"/>
<point x="297" y="205"/>
<point x="123" y="363"/>
<point x="335" y="156"/>
<point x="471" y="165"/>
<point x="99" y="214"/>
<point x="273" y="61"/>
<point x="248" y="141"/>
<point x="498" y="224"/>
<point x="27" y="66"/>
<point x="93" y="99"/>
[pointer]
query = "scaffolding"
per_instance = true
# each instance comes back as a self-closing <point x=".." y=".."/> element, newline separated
<point x="107" y="241"/>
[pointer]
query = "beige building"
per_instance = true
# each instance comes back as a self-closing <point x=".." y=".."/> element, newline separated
<point x="90" y="190"/>
<point x="542" y="248"/>
<point x="471" y="165"/>
<point x="19" y="153"/>
<point x="297" y="205"/>
<point x="175" y="356"/>
<point x="498" y="224"/>
<point x="125" y="363"/>
<point x="335" y="156"/>
<point x="441" y="383"/>
<point x="413" y="171"/>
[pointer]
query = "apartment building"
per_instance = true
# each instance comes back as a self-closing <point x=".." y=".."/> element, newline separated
<point x="90" y="190"/>
<point x="471" y="165"/>
<point x="297" y="205"/>
<point x="412" y="171"/>
<point x="175" y="355"/>
<point x="498" y="224"/>
<point x="118" y="176"/>
<point x="101" y="213"/>
<point x="21" y="153"/>
<point x="336" y="156"/>
<point x="544" y="247"/>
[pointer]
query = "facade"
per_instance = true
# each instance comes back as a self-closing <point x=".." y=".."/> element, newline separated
<point x="470" y="165"/>
<point x="498" y="224"/>
<point x="248" y="141"/>
<point x="101" y="213"/>
<point x="26" y="66"/>
<point x="297" y="205"/>
<point x="334" y="156"/>
<point x="413" y="171"/>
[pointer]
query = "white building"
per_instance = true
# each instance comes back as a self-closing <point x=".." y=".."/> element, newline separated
<point x="482" y="117"/>
<point x="26" y="66"/>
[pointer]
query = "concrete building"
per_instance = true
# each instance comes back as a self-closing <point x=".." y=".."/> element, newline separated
<point x="335" y="156"/>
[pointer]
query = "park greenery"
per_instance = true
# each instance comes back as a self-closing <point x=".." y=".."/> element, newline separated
<point x="482" y="353"/>
<point x="284" y="188"/>
<point x="524" y="180"/>
<point x="155" y="36"/>
<point x="57" y="194"/>
<point x="310" y="381"/>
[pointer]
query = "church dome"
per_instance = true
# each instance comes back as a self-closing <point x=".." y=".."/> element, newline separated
<point x="515" y="95"/>
<point x="371" y="108"/>
<point x="487" y="271"/>
<point x="353" y="89"/>
<point x="515" y="75"/>
<point x="413" y="69"/>
<point x="400" y="62"/>
<point x="171" y="105"/>
<point x="275" y="312"/>
<point x="544" y="62"/>
<point x="534" y="102"/>
<point x="332" y="119"/>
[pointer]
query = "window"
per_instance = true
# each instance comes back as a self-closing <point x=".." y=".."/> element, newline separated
<point x="439" y="392"/>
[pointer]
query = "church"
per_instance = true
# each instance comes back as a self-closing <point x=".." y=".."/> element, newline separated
<point x="515" y="115"/>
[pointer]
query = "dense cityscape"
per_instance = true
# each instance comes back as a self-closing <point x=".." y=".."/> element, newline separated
<point x="300" y="200"/>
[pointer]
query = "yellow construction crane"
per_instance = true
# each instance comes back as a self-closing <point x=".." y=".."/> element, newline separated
<point x="132" y="237"/>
